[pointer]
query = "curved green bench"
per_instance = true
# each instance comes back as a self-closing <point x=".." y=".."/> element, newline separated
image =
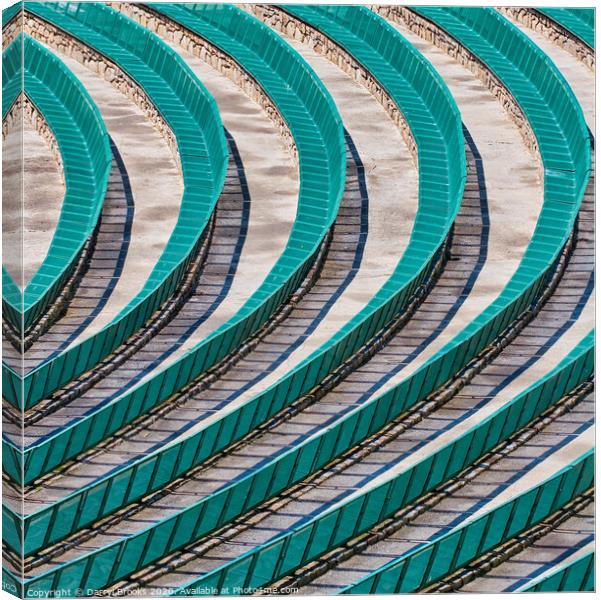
<point x="440" y="557"/>
<point x="436" y="127"/>
<point x="83" y="143"/>
<point x="580" y="22"/>
<point x="575" y="576"/>
<point x="192" y="115"/>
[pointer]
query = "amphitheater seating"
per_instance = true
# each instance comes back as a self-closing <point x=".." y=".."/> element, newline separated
<point x="319" y="199"/>
<point x="81" y="138"/>
<point x="351" y="518"/>
<point x="192" y="115"/>
<point x="562" y="138"/>
<point x="555" y="225"/>
<point x="438" y="118"/>
<point x="578" y="21"/>
<point x="334" y="523"/>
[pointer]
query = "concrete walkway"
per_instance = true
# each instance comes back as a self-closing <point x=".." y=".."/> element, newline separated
<point x="32" y="217"/>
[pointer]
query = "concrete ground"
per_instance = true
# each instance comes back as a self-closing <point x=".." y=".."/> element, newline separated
<point x="12" y="202"/>
<point x="155" y="181"/>
<point x="33" y="218"/>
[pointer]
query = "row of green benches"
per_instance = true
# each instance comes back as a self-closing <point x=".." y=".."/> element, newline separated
<point x="331" y="528"/>
<point x="451" y="551"/>
<point x="175" y="460"/>
<point x="317" y="129"/>
<point x="192" y="115"/>
<point x="83" y="143"/>
<point x="436" y="127"/>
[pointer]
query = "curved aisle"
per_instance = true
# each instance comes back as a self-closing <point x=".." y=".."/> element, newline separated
<point x="42" y="196"/>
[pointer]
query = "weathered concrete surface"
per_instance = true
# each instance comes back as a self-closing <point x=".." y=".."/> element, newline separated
<point x="155" y="183"/>
<point x="43" y="192"/>
<point x="273" y="185"/>
<point x="12" y="200"/>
